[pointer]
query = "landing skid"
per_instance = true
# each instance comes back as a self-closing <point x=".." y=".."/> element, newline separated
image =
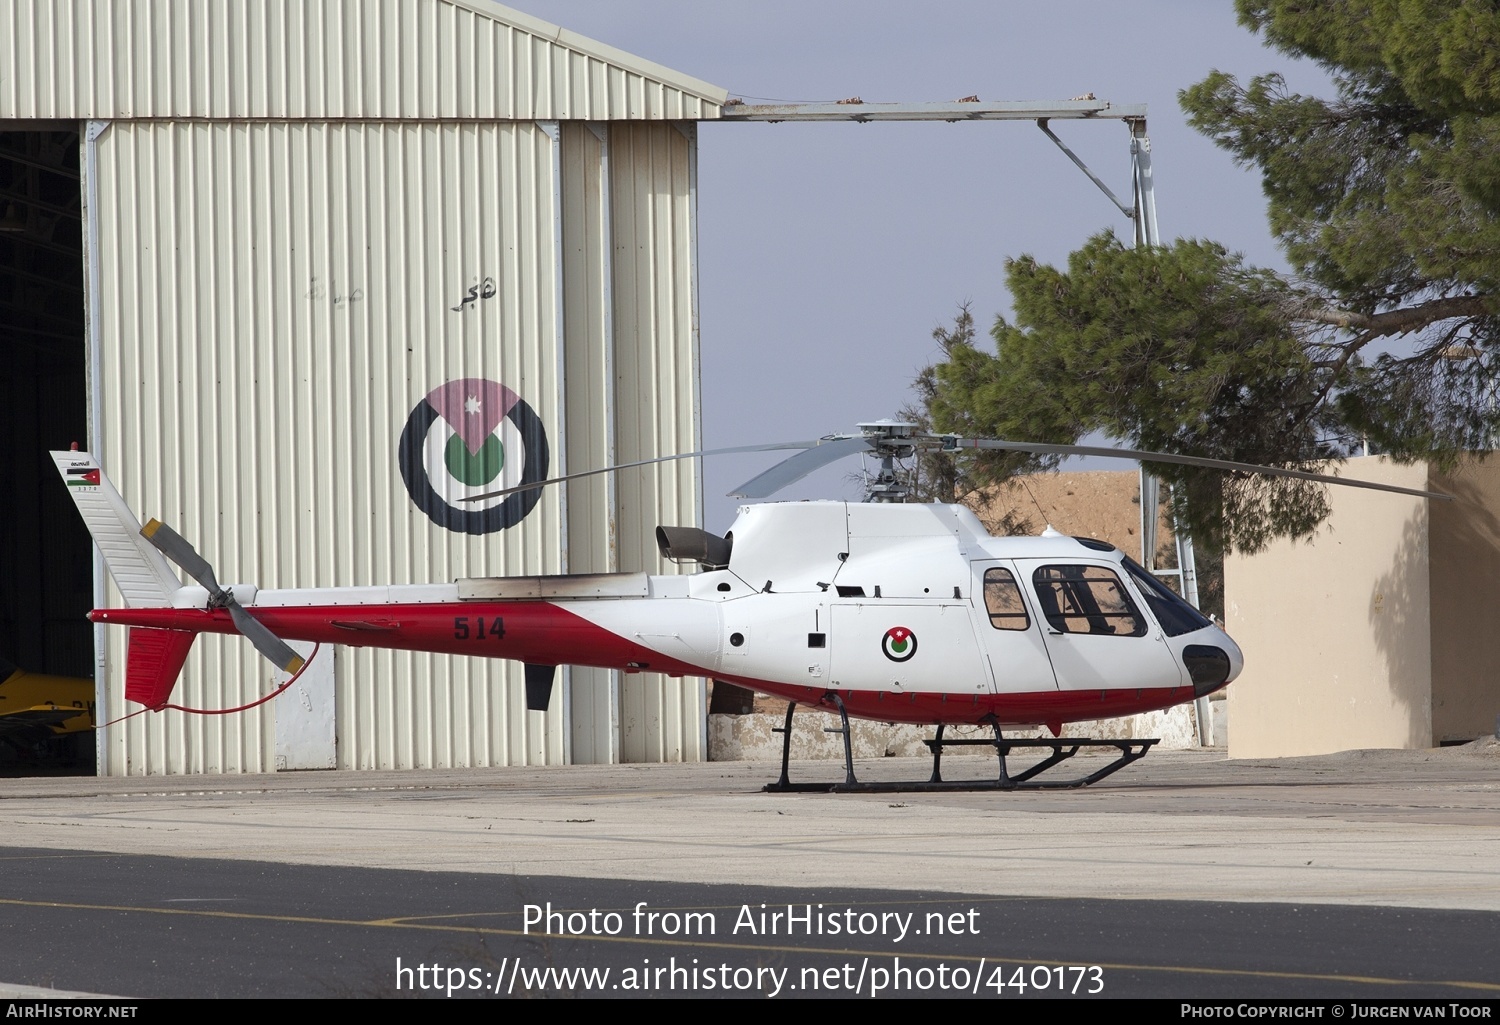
<point x="1062" y="748"/>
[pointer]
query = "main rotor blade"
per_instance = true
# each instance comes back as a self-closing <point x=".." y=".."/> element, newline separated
<point x="1167" y="457"/>
<point x="267" y="643"/>
<point x="778" y="446"/>
<point x="793" y="469"/>
<point x="177" y="548"/>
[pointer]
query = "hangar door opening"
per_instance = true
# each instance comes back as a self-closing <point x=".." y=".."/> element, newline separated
<point x="45" y="555"/>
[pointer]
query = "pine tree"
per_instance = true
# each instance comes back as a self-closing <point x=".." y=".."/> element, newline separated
<point x="1386" y="200"/>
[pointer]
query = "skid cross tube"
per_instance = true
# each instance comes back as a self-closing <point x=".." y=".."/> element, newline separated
<point x="1062" y="749"/>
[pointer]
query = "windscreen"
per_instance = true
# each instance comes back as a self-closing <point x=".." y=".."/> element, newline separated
<point x="1174" y="614"/>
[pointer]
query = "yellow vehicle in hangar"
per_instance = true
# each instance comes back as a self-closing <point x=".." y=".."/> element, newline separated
<point x="44" y="720"/>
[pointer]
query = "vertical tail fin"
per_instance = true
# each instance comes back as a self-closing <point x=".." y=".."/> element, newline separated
<point x="141" y="573"/>
<point x="153" y="664"/>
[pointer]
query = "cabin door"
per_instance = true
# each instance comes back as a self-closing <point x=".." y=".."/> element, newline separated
<point x="1097" y="634"/>
<point x="1010" y="631"/>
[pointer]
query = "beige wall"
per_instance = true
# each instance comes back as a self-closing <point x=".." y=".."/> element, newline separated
<point x="1466" y="603"/>
<point x="1335" y="632"/>
<point x="1374" y="633"/>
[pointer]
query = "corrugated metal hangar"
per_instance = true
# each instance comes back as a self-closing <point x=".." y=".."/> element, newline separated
<point x="267" y="259"/>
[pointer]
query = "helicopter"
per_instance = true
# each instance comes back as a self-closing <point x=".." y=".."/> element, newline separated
<point x="883" y="610"/>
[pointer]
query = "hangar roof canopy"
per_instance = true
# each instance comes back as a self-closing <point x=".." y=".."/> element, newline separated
<point x="325" y="60"/>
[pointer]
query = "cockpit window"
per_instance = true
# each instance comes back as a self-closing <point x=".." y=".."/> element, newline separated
<point x="1087" y="600"/>
<point x="1002" y="597"/>
<point x="1174" y="614"/>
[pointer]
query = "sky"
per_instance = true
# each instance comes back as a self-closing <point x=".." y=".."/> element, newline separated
<point x="828" y="253"/>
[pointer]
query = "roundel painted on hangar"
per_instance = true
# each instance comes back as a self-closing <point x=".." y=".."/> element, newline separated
<point x="466" y="437"/>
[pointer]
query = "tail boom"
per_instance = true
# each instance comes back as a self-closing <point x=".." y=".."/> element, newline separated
<point x="537" y="633"/>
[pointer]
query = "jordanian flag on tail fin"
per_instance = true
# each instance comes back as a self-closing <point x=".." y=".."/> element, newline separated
<point x="83" y="477"/>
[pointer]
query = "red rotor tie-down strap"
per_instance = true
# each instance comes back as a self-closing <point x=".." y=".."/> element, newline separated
<point x="227" y="711"/>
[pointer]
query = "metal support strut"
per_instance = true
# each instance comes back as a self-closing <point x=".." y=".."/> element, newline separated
<point x="785" y="785"/>
<point x="1062" y="748"/>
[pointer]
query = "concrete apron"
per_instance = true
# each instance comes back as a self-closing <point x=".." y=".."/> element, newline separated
<point x="1393" y="828"/>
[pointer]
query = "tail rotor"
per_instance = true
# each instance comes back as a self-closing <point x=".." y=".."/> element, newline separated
<point x="177" y="548"/>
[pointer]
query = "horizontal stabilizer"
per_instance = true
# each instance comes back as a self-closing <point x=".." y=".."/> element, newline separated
<point x="154" y="662"/>
<point x="144" y="577"/>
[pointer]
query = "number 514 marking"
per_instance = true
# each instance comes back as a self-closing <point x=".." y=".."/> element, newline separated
<point x="492" y="629"/>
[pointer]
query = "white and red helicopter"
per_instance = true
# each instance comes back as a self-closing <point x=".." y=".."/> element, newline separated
<point x="880" y="610"/>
